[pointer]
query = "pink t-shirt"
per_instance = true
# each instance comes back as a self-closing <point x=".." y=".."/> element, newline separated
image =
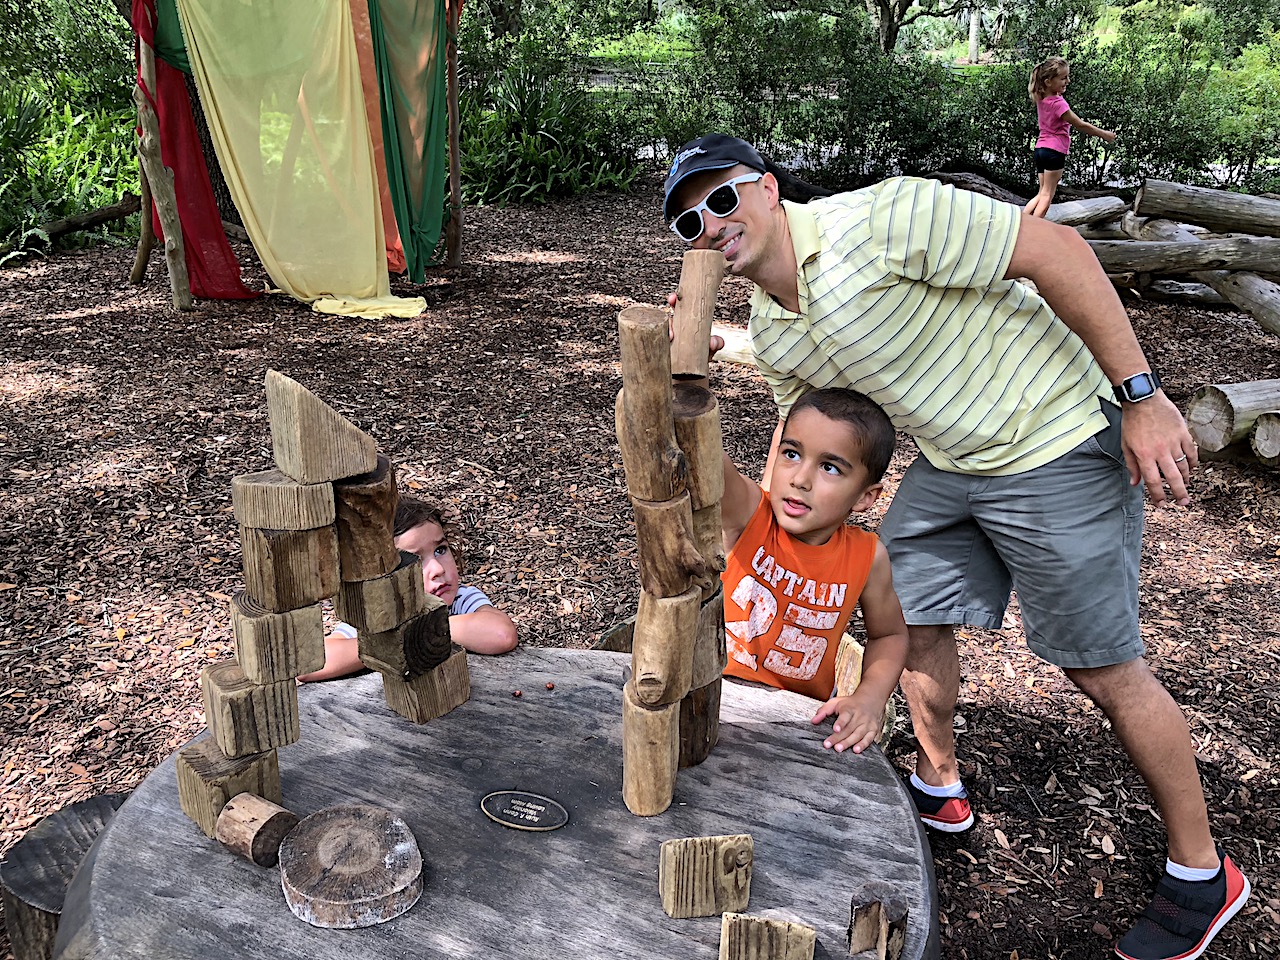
<point x="1055" y="132"/>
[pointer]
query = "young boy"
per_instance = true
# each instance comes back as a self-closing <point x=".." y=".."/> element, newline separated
<point x="794" y="570"/>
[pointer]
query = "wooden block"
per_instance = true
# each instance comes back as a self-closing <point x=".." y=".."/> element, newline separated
<point x="669" y="559"/>
<point x="434" y="693"/>
<point x="700" y="723"/>
<point x="705" y="876"/>
<point x="272" y="500"/>
<point x="877" y="922"/>
<point x="350" y="866"/>
<point x="662" y="646"/>
<point x="246" y="717"/>
<point x="271" y="647"/>
<point x="365" y="510"/>
<point x="744" y="937"/>
<point x="383" y="603"/>
<point x="709" y="652"/>
<point x="254" y="827"/>
<point x="650" y="753"/>
<point x="414" y="647"/>
<point x="287" y="569"/>
<point x="312" y="442"/>
<point x="708" y="535"/>
<point x="208" y="778"/>
<point x="697" y="425"/>
<point x="36" y="871"/>
<point x="700" y="275"/>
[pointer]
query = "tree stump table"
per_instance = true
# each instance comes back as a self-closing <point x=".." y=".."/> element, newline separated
<point x="823" y="824"/>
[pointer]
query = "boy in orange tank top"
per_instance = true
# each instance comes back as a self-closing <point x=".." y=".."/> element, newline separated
<point x="795" y="571"/>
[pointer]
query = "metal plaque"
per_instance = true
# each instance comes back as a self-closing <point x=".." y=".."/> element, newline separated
<point x="524" y="811"/>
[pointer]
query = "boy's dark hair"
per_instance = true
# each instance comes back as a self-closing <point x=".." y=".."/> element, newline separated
<point x="412" y="512"/>
<point x="870" y="424"/>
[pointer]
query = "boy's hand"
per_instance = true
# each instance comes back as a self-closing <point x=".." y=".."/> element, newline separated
<point x="857" y="723"/>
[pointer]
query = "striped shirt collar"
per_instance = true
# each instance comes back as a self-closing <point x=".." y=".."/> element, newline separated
<point x="806" y="242"/>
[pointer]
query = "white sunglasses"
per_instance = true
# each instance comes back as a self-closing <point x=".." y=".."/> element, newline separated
<point x="720" y="202"/>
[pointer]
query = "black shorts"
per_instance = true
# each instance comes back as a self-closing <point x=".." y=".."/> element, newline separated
<point x="1047" y="159"/>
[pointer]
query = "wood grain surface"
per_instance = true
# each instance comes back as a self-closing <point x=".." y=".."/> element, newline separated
<point x="823" y="823"/>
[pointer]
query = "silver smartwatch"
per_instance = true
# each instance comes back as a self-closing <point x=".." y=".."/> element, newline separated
<point x="1141" y="386"/>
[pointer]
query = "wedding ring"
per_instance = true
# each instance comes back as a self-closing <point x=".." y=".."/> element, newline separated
<point x="1179" y="459"/>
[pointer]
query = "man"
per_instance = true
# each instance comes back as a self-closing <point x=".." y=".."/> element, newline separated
<point x="905" y="291"/>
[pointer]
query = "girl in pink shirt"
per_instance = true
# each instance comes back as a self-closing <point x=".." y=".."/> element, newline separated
<point x="1048" y="82"/>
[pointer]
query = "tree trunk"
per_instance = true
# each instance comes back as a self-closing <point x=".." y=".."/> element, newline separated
<point x="1219" y="210"/>
<point x="453" y="229"/>
<point x="975" y="33"/>
<point x="1184" y="256"/>
<point x="1222" y="413"/>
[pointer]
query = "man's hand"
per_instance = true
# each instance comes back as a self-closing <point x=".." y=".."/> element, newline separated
<point x="716" y="343"/>
<point x="857" y="724"/>
<point x="1158" y="449"/>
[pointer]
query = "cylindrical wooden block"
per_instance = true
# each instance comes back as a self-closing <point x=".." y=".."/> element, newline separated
<point x="208" y="778"/>
<point x="662" y="646"/>
<point x="271" y="647"/>
<point x="1222" y="413"/>
<point x="700" y="723"/>
<point x="246" y="717"/>
<point x="697" y="423"/>
<point x="36" y="870"/>
<point x="669" y="558"/>
<point x="654" y="466"/>
<point x="709" y="653"/>
<point x="365" y="508"/>
<point x="650" y="754"/>
<point x="273" y="501"/>
<point x="708" y="535"/>
<point x="287" y="569"/>
<point x="1264" y="438"/>
<point x="254" y="827"/>
<point x="383" y="603"/>
<point x="700" y="276"/>
<point x="350" y="866"/>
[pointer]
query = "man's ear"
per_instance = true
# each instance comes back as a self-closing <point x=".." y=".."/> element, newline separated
<point x="868" y="497"/>
<point x="771" y="190"/>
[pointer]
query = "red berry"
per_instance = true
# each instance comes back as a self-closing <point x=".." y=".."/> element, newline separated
<point x="550" y="685"/>
<point x="516" y="693"/>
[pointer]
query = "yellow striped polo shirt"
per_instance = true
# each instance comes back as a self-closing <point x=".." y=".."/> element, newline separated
<point x="902" y="298"/>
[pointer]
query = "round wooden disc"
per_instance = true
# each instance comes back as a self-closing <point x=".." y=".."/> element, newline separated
<point x="350" y="866"/>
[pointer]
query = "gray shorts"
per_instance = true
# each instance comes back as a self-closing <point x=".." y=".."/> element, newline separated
<point x="1067" y="536"/>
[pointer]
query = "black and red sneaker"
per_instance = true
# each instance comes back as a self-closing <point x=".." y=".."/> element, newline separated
<point x="948" y="814"/>
<point x="1184" y="915"/>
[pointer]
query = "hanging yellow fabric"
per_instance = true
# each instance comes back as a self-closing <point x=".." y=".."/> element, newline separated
<point x="280" y="81"/>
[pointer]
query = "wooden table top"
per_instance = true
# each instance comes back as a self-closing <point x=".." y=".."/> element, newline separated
<point x="823" y="823"/>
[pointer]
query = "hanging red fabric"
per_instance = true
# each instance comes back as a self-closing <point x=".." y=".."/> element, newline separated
<point x="211" y="264"/>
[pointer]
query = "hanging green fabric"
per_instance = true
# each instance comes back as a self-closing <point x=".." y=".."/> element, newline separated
<point x="409" y="48"/>
<point x="170" y="47"/>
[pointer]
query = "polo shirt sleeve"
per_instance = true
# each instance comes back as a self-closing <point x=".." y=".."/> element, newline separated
<point x="943" y="236"/>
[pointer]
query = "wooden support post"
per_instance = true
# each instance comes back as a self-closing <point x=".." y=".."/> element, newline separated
<point x="744" y="937"/>
<point x="146" y="230"/>
<point x="271" y="500"/>
<point x="244" y="717"/>
<point x="382" y="604"/>
<point x="650" y="754"/>
<point x="412" y="648"/>
<point x="662" y="646"/>
<point x="208" y="779"/>
<point x="254" y="828"/>
<point x="697" y="424"/>
<point x="287" y="569"/>
<point x="654" y="466"/>
<point x="1222" y="413"/>
<point x="271" y="647"/>
<point x="312" y="442"/>
<point x="365" y="516"/>
<point x="705" y="876"/>
<point x="453" y="228"/>
<point x="160" y="178"/>
<point x="700" y="276"/>
<point x="432" y="694"/>
<point x="877" y="923"/>
<point x="699" y="723"/>
<point x="709" y="653"/>
<point x="36" y="871"/>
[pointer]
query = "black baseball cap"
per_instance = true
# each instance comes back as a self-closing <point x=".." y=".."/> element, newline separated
<point x="715" y="151"/>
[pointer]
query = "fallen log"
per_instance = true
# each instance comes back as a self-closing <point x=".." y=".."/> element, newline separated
<point x="1219" y="210"/>
<point x="1264" y="438"/>
<point x="1247" y="291"/>
<point x="1223" y="413"/>
<point x="1104" y="230"/>
<point x="1182" y="291"/>
<point x="978" y="184"/>
<point x="94" y="218"/>
<point x="1183" y="256"/>
<point x="1075" y="213"/>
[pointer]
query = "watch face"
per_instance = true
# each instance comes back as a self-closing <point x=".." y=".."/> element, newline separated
<point x="1140" y="386"/>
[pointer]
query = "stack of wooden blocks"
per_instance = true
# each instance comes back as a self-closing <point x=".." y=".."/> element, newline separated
<point x="320" y="525"/>
<point x="669" y="435"/>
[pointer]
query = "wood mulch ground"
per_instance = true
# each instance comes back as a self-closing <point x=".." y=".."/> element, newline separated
<point x="122" y="424"/>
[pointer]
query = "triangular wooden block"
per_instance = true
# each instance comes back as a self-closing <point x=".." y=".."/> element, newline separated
<point x="312" y="442"/>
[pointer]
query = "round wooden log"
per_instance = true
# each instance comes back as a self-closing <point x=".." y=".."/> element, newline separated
<point x="365" y="509"/>
<point x="709" y="654"/>
<point x="36" y="871"/>
<point x="700" y="276"/>
<point x="697" y="424"/>
<point x="350" y="866"/>
<point x="1220" y="210"/>
<point x="708" y="534"/>
<point x="737" y="345"/>
<point x="1183" y="256"/>
<point x="254" y="828"/>
<point x="650" y="754"/>
<point x="1222" y="413"/>
<point x="1168" y="291"/>
<point x="1075" y="213"/>
<point x="654" y="466"/>
<point x="272" y="500"/>
<point x="662" y="646"/>
<point x="669" y="557"/>
<point x="1264" y="438"/>
<point x="1105" y="230"/>
<point x="700" y="723"/>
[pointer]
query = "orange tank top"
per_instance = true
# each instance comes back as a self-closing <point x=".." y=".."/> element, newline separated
<point x="787" y="603"/>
